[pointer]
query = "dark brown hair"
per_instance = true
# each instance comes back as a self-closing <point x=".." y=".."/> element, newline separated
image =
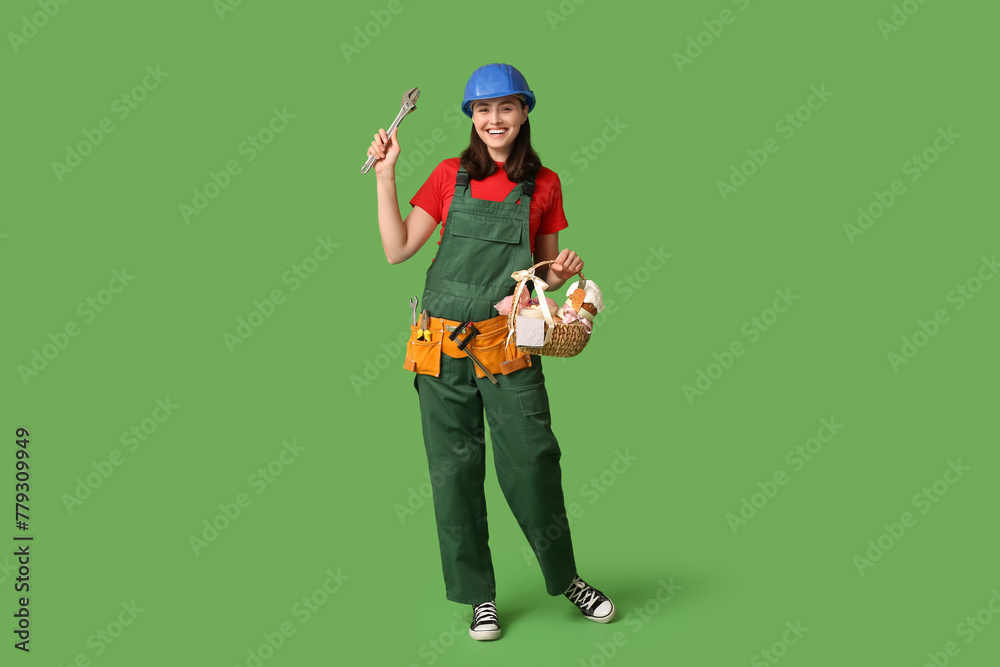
<point x="522" y="163"/>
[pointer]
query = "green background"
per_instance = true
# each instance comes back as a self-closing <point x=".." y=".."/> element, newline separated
<point x="324" y="370"/>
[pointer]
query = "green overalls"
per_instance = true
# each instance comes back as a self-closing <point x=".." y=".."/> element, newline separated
<point x="483" y="243"/>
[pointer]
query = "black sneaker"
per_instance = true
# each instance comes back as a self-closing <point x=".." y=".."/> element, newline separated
<point x="485" y="624"/>
<point x="594" y="604"/>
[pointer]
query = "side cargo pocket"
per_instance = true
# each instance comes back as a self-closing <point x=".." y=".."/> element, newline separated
<point x="536" y="421"/>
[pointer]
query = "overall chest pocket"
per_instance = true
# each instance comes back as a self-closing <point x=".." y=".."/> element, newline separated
<point x="482" y="249"/>
<point x="486" y="228"/>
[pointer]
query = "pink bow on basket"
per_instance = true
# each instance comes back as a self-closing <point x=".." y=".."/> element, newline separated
<point x="569" y="315"/>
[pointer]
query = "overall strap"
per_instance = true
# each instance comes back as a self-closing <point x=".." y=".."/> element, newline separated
<point x="515" y="194"/>
<point x="523" y="189"/>
<point x="461" y="182"/>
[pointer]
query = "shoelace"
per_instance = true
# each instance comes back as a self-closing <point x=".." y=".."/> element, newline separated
<point x="583" y="595"/>
<point x="485" y="613"/>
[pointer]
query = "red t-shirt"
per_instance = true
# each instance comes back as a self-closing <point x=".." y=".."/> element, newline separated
<point x="545" y="215"/>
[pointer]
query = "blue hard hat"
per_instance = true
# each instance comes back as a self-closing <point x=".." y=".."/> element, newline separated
<point x="496" y="80"/>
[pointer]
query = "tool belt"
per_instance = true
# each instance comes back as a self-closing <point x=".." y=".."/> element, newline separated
<point x="423" y="350"/>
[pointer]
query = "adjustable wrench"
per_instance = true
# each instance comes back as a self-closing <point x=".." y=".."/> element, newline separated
<point x="409" y="104"/>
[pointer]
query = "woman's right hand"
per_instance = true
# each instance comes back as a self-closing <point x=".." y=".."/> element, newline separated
<point x="385" y="157"/>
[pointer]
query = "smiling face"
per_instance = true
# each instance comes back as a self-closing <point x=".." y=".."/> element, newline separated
<point x="497" y="121"/>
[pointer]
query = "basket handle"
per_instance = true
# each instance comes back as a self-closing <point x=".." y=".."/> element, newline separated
<point x="583" y="280"/>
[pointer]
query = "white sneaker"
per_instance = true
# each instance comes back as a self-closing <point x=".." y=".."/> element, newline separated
<point x="595" y="605"/>
<point x="485" y="623"/>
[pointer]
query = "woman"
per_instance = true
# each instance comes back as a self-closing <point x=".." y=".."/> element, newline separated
<point x="500" y="208"/>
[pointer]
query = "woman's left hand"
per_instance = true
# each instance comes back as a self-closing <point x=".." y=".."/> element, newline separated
<point x="566" y="265"/>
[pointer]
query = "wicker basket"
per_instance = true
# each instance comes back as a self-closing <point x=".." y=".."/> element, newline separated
<point x="567" y="340"/>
